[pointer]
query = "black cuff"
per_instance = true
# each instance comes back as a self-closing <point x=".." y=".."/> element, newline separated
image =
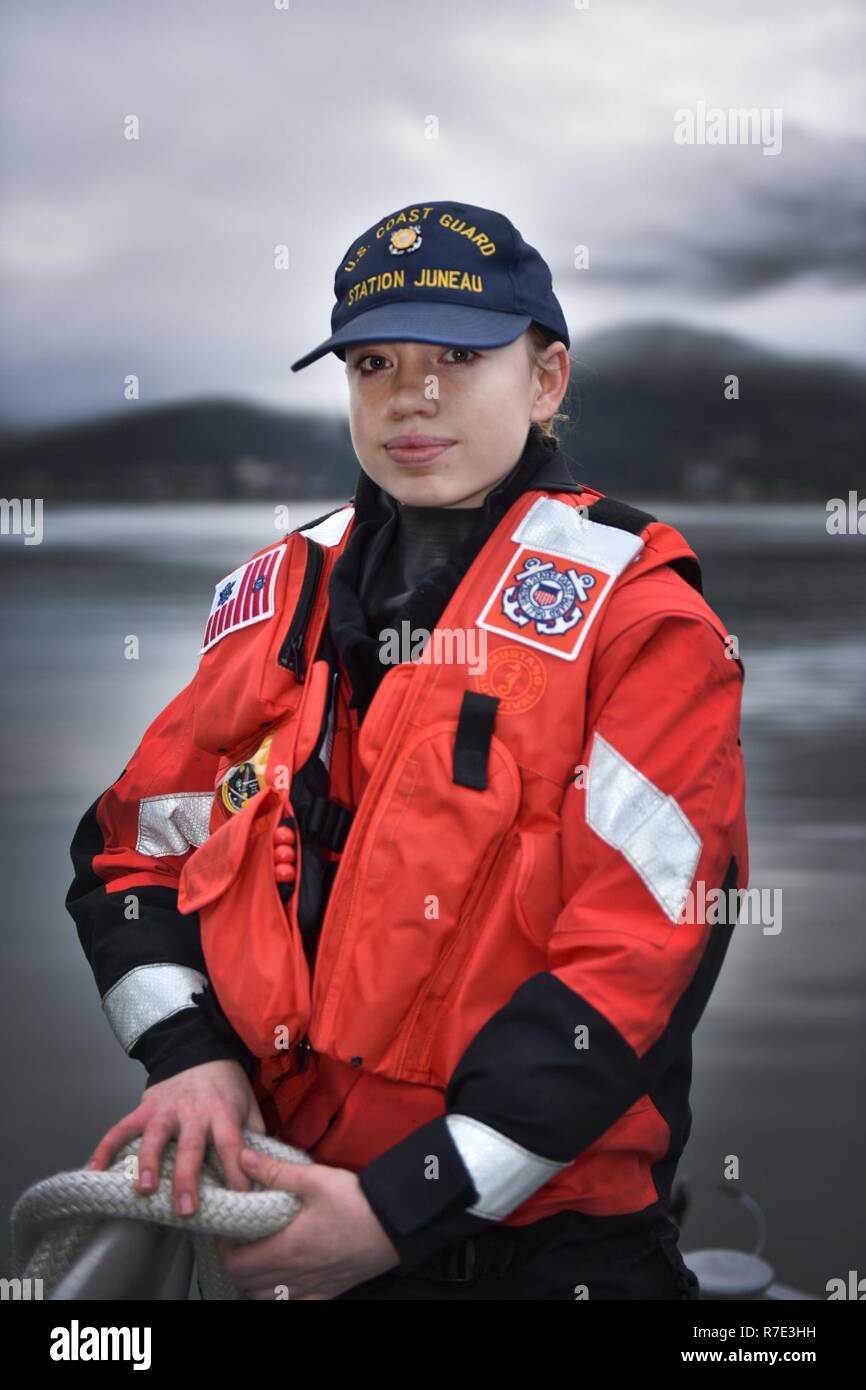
<point x="211" y="1009"/>
<point x="187" y="1039"/>
<point x="193" y="1057"/>
<point x="421" y="1205"/>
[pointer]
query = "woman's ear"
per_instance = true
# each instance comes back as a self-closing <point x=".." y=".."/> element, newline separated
<point x="553" y="368"/>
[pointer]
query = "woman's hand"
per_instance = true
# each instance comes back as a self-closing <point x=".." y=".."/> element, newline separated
<point x="333" y="1243"/>
<point x="214" y="1100"/>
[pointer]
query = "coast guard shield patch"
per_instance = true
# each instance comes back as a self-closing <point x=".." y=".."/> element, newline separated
<point x="545" y="602"/>
<point x="558" y="578"/>
<point x="243" y="597"/>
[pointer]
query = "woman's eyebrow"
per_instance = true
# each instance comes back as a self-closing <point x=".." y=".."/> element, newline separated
<point x="368" y="347"/>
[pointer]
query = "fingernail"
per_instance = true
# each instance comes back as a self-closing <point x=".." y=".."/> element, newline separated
<point x="250" y="1156"/>
<point x="185" y="1205"/>
<point x="147" y="1178"/>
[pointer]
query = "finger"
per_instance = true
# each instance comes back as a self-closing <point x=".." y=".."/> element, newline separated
<point x="154" y="1139"/>
<point x="255" y="1120"/>
<point x="268" y="1256"/>
<point x="279" y="1291"/>
<point x="228" y="1142"/>
<point x="266" y="1281"/>
<point x="115" y="1138"/>
<point x="282" y="1174"/>
<point x="190" y="1151"/>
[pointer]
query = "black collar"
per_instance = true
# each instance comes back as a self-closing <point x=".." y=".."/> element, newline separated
<point x="541" y="465"/>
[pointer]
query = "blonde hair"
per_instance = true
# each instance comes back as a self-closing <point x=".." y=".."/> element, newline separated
<point x="538" y="339"/>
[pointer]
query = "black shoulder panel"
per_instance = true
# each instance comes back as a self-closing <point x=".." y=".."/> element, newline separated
<point x="607" y="511"/>
<point x="689" y="571"/>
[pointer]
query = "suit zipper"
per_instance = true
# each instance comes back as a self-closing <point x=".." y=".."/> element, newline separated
<point x="292" y="651"/>
<point x="358" y="828"/>
<point x="291" y="656"/>
<point x="303" y="1053"/>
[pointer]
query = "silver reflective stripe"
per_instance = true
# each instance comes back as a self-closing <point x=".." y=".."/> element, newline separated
<point x="332" y="529"/>
<point x="504" y="1173"/>
<point x="555" y="526"/>
<point x="648" y="828"/>
<point x="146" y="995"/>
<point x="173" y="823"/>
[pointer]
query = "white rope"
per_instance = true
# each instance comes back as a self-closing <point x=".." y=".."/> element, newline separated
<point x="55" y="1219"/>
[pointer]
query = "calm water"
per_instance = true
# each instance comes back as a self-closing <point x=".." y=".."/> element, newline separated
<point x="779" y="1065"/>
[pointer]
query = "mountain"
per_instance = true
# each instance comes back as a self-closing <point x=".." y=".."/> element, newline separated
<point x="647" y="412"/>
<point x="195" y="449"/>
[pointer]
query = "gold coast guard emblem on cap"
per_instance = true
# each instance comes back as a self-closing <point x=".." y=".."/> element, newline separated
<point x="404" y="239"/>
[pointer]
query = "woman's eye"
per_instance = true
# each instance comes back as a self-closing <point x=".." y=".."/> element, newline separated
<point x="370" y="357"/>
<point x="372" y="362"/>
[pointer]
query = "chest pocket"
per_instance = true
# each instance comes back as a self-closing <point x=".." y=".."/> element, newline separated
<point x="434" y="837"/>
<point x="425" y="857"/>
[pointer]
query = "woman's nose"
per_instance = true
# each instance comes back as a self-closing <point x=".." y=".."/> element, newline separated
<point x="414" y="389"/>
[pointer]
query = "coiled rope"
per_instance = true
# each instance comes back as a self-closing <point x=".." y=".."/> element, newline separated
<point x="55" y="1219"/>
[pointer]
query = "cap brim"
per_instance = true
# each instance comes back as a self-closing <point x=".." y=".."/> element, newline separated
<point x="412" y="321"/>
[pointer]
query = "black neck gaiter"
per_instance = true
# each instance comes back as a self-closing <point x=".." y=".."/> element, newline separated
<point x="424" y="539"/>
<point x="404" y="563"/>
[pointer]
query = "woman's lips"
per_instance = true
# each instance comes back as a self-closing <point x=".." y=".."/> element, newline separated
<point x="417" y="455"/>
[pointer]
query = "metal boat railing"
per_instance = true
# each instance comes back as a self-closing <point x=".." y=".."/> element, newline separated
<point x="130" y="1260"/>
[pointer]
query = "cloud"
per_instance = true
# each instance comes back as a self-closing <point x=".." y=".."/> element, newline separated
<point x="302" y="127"/>
<point x="734" y="227"/>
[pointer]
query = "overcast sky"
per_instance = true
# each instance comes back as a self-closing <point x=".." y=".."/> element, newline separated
<point x="304" y="126"/>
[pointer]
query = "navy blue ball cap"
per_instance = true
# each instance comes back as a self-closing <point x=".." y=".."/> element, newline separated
<point x="445" y="272"/>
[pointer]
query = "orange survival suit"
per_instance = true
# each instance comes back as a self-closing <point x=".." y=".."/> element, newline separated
<point x="482" y="967"/>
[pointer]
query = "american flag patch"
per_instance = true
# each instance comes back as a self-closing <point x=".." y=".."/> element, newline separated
<point x="245" y="596"/>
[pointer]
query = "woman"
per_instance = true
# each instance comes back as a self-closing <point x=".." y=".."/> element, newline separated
<point x="474" y="739"/>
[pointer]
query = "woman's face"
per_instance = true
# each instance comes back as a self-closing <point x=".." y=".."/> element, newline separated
<point x="475" y="406"/>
